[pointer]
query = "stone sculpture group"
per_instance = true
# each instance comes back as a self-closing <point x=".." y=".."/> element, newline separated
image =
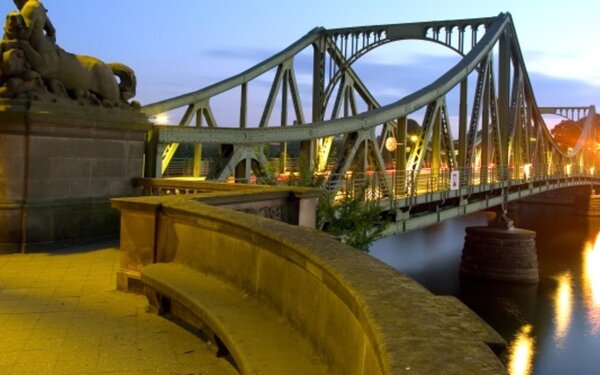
<point x="33" y="66"/>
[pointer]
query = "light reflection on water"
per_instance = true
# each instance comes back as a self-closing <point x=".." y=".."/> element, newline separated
<point x="563" y="307"/>
<point x="552" y="327"/>
<point x="521" y="351"/>
<point x="591" y="283"/>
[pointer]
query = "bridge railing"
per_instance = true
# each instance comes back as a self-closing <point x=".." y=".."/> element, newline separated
<point x="376" y="186"/>
<point x="427" y="181"/>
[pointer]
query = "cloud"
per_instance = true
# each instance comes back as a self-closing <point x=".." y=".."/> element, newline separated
<point x="560" y="91"/>
<point x="412" y="54"/>
<point x="580" y="66"/>
<point x="393" y="75"/>
<point x="255" y="54"/>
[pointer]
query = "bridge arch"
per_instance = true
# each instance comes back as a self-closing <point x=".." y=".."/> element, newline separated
<point x="372" y="38"/>
<point x="501" y="122"/>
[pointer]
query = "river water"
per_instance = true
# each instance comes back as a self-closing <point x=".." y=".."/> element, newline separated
<point x="552" y="327"/>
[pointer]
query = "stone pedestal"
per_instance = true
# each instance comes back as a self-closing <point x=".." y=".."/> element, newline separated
<point x="500" y="252"/>
<point x="59" y="166"/>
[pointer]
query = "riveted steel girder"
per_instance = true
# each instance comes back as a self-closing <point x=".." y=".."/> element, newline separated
<point x="505" y="125"/>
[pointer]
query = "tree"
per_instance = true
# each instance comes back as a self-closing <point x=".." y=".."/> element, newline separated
<point x="566" y="133"/>
<point x="352" y="220"/>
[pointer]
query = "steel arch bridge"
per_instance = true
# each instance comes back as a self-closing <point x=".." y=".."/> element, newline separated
<point x="501" y="135"/>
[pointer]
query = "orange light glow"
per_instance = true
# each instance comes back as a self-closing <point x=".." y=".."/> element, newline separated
<point x="527" y="170"/>
<point x="521" y="351"/>
<point x="391" y="144"/>
<point x="563" y="307"/>
<point x="161" y="119"/>
<point x="591" y="283"/>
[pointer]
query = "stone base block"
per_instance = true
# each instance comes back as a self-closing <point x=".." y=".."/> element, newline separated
<point x="129" y="281"/>
<point x="52" y="225"/>
<point x="59" y="166"/>
<point x="501" y="254"/>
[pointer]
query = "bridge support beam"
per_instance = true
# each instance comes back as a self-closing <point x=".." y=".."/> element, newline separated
<point x="500" y="252"/>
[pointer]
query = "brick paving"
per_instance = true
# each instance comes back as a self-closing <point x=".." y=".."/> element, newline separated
<point x="60" y="314"/>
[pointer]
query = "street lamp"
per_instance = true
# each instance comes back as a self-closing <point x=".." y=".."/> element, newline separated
<point x="391" y="144"/>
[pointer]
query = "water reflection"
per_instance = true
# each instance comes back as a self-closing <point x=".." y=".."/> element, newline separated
<point x="563" y="306"/>
<point x="562" y="312"/>
<point x="521" y="351"/>
<point x="591" y="283"/>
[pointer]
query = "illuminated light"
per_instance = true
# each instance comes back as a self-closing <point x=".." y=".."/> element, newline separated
<point x="592" y="169"/>
<point x="591" y="283"/>
<point x="391" y="144"/>
<point x="533" y="139"/>
<point x="414" y="138"/>
<point x="372" y="193"/>
<point x="568" y="168"/>
<point x="520" y="357"/>
<point x="527" y="170"/>
<point x="161" y="119"/>
<point x="563" y="307"/>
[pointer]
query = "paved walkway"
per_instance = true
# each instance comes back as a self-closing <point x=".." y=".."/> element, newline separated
<point x="60" y="314"/>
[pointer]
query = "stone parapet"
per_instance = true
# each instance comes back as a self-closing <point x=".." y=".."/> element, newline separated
<point x="140" y="215"/>
<point x="361" y="315"/>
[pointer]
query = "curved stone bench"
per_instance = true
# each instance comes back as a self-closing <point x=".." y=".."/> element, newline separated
<point x="256" y="337"/>
<point x="357" y="314"/>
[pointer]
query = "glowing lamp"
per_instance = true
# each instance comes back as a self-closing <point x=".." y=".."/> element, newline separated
<point x="527" y="170"/>
<point x="161" y="119"/>
<point x="391" y="144"/>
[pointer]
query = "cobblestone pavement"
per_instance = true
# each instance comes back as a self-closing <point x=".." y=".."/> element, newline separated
<point x="60" y="314"/>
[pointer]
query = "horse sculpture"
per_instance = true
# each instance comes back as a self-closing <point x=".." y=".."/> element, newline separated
<point x="31" y="32"/>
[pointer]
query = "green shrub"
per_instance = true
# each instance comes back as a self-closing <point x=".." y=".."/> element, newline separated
<point x="352" y="220"/>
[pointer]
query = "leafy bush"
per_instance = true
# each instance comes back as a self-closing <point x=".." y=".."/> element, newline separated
<point x="352" y="220"/>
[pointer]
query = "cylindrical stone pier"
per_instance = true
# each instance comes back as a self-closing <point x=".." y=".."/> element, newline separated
<point x="500" y="253"/>
<point x="588" y="205"/>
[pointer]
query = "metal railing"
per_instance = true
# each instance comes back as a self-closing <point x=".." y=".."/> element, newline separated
<point x="409" y="184"/>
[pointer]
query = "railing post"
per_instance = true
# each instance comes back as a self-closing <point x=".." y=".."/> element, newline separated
<point x="401" y="157"/>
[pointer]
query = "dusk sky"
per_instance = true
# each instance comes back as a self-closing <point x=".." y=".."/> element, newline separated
<point x="180" y="46"/>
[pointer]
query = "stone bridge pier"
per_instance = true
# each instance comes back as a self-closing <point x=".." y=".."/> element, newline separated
<point x="500" y="251"/>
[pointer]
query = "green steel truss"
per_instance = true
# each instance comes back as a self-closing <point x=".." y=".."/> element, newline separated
<point x="501" y="131"/>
